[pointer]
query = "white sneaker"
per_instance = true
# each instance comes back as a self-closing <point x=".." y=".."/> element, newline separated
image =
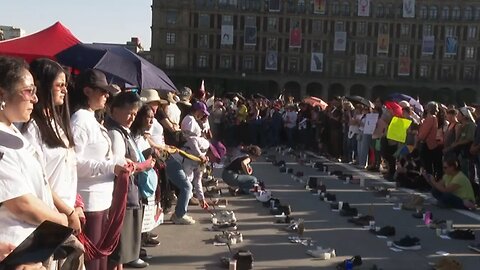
<point x="223" y="217"/>
<point x="185" y="220"/>
<point x="230" y="238"/>
<point x="322" y="254"/>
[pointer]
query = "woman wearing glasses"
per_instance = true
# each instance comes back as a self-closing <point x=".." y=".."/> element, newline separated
<point x="25" y="195"/>
<point x="96" y="165"/>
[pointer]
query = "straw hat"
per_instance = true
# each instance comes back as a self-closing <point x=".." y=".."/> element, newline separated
<point x="151" y="95"/>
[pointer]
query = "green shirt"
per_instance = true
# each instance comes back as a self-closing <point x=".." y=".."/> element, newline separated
<point x="465" y="191"/>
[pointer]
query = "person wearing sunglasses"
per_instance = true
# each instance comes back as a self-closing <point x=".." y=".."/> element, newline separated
<point x="25" y="196"/>
<point x="454" y="189"/>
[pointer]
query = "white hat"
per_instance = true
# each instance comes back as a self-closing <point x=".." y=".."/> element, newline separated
<point x="151" y="95"/>
<point x="404" y="104"/>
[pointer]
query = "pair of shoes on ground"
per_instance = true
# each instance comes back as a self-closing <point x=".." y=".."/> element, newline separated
<point x="271" y="203"/>
<point x="350" y="263"/>
<point x="384" y="231"/>
<point x="281" y="210"/>
<point x="184" y="220"/>
<point x="329" y="197"/>
<point x="322" y="253"/>
<point x="462" y="234"/>
<point x="361" y="220"/>
<point x="230" y="238"/>
<point x="150" y="240"/>
<point x="408" y="243"/>
<point x="223" y="217"/>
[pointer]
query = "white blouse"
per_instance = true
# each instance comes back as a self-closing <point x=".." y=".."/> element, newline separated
<point x="95" y="161"/>
<point x="21" y="173"/>
<point x="60" y="164"/>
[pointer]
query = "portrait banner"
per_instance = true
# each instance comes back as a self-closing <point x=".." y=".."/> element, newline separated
<point x="363" y="8"/>
<point x="274" y="6"/>
<point x="340" y="44"/>
<point x="428" y="45"/>
<point x="383" y="43"/>
<point x="320" y="7"/>
<point x="250" y="35"/>
<point x="404" y="66"/>
<point x="409" y="8"/>
<point x="296" y="36"/>
<point x="227" y="35"/>
<point x="316" y="64"/>
<point x="271" y="60"/>
<point x="361" y="63"/>
<point x="451" y="45"/>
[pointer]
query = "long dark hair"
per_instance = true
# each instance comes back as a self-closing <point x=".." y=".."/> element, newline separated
<point x="138" y="126"/>
<point x="44" y="72"/>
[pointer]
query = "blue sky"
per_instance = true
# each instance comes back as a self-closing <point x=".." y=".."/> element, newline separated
<point x="111" y="21"/>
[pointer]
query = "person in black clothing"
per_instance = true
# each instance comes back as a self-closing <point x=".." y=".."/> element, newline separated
<point x="238" y="174"/>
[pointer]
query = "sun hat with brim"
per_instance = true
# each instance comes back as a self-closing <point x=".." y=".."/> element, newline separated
<point x="151" y="95"/>
<point x="465" y="111"/>
<point x="95" y="79"/>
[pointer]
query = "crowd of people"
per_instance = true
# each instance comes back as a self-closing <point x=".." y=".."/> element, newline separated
<point x="440" y="152"/>
<point x="89" y="155"/>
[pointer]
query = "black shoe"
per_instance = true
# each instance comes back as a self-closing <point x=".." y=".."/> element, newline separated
<point x="149" y="242"/>
<point x="344" y="177"/>
<point x="408" y="243"/>
<point x="462" y="234"/>
<point x="281" y="209"/>
<point x="334" y="206"/>
<point x="138" y="263"/>
<point x="152" y="235"/>
<point x="356" y="261"/>
<point x="336" y="173"/>
<point x="331" y="197"/>
<point x="386" y="231"/>
<point x="283" y="169"/>
<point x="290" y="170"/>
<point x="322" y="188"/>
<point x="269" y="204"/>
<point x="318" y="165"/>
<point x="349" y="212"/>
<point x="280" y="163"/>
<point x="361" y="221"/>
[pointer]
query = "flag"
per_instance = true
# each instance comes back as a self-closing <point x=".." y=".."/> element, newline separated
<point x="409" y="8"/>
<point x="227" y="35"/>
<point x="316" y="62"/>
<point x="363" y="8"/>
<point x="397" y="130"/>
<point x="340" y="44"/>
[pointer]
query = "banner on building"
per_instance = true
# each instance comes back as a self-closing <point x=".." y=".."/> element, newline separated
<point x="295" y="35"/>
<point x="361" y="63"/>
<point x="451" y="45"/>
<point x="404" y="66"/>
<point x="364" y="8"/>
<point x="428" y="45"/>
<point x="409" y="8"/>
<point x="316" y="63"/>
<point x="319" y="6"/>
<point x="271" y="60"/>
<point x="383" y="43"/>
<point x="274" y="5"/>
<point x="227" y="35"/>
<point x="340" y="44"/>
<point x="251" y="35"/>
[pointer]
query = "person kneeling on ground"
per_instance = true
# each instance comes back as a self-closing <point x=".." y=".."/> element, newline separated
<point x="238" y="173"/>
<point x="454" y="190"/>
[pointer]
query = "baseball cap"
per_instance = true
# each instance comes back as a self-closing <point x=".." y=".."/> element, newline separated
<point x="200" y="106"/>
<point x="95" y="79"/>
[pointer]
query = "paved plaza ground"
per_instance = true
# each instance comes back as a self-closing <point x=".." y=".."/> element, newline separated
<point x="191" y="247"/>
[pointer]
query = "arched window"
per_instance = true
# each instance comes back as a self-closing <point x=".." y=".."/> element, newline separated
<point x="423" y="12"/>
<point x="346" y="9"/>
<point x="468" y="14"/>
<point x="446" y="13"/>
<point x="433" y="12"/>
<point x="336" y="8"/>
<point x="456" y="13"/>
<point x="380" y="10"/>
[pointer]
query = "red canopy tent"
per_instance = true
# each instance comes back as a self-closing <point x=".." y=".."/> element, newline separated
<point x="45" y="43"/>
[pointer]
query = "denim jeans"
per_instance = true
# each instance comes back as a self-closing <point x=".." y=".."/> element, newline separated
<point x="352" y="151"/>
<point x="448" y="199"/>
<point x="243" y="181"/>
<point x="176" y="175"/>
<point x="364" y="147"/>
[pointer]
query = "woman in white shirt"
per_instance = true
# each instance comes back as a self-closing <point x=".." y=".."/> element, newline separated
<point x="49" y="132"/>
<point x="96" y="165"/>
<point x="25" y="196"/>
